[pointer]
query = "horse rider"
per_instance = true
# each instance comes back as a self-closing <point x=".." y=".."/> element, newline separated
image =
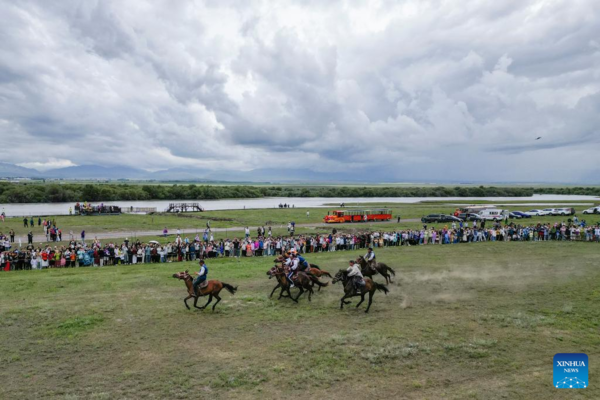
<point x="294" y="264"/>
<point x="370" y="258"/>
<point x="202" y="274"/>
<point x="356" y="276"/>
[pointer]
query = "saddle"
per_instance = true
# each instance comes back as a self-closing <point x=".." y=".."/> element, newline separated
<point x="203" y="284"/>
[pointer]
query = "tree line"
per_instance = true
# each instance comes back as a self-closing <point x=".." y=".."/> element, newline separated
<point x="77" y="192"/>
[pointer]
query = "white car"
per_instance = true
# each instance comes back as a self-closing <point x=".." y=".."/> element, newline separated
<point x="536" y="213"/>
<point x="593" y="210"/>
<point x="549" y="211"/>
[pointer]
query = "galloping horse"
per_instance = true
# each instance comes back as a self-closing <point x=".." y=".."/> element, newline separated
<point x="304" y="282"/>
<point x="213" y="288"/>
<point x="349" y="290"/>
<point x="380" y="268"/>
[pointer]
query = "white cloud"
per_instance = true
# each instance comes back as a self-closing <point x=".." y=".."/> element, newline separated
<point x="412" y="90"/>
<point x="51" y="163"/>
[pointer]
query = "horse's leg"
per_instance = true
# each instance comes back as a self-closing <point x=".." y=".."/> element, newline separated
<point x="185" y="302"/>
<point x="196" y="301"/>
<point x="342" y="301"/>
<point x="281" y="293"/>
<point x="362" y="298"/>
<point x="290" y="295"/>
<point x="218" y="300"/>
<point x="210" y="296"/>
<point x="310" y="293"/>
<point x="299" y="293"/>
<point x="386" y="276"/>
<point x="370" y="300"/>
<point x="274" y="289"/>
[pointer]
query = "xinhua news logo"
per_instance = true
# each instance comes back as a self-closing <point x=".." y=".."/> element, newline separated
<point x="571" y="371"/>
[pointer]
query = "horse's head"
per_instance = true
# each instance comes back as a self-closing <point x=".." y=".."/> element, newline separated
<point x="361" y="260"/>
<point x="272" y="271"/>
<point x="182" y="275"/>
<point x="339" y="276"/>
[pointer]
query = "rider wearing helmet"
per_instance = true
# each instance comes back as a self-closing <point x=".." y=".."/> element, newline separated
<point x="294" y="265"/>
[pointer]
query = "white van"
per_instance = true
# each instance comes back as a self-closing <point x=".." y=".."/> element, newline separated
<point x="493" y="214"/>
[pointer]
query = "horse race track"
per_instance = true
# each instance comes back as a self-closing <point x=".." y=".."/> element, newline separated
<point x="479" y="321"/>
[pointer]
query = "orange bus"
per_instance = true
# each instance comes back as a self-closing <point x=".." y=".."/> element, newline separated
<point x="340" y="216"/>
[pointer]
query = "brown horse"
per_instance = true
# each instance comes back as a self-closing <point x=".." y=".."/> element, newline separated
<point x="350" y="291"/>
<point x="304" y="282"/>
<point x="380" y="268"/>
<point x="213" y="288"/>
<point x="282" y="282"/>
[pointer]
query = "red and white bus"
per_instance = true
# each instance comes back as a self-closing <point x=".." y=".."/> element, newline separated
<point x="340" y="216"/>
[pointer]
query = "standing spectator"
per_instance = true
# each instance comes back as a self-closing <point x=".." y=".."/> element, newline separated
<point x="83" y="236"/>
<point x="25" y="223"/>
<point x="30" y="238"/>
<point x="12" y="236"/>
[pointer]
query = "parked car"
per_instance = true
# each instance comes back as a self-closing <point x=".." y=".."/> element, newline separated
<point x="522" y="214"/>
<point x="469" y="217"/>
<point x="593" y="210"/>
<point x="494" y="214"/>
<point x="550" y="211"/>
<point x="536" y="213"/>
<point x="514" y="215"/>
<point x="564" y="211"/>
<point x="440" y="218"/>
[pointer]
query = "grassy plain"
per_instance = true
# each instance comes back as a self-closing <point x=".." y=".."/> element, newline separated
<point x="475" y="321"/>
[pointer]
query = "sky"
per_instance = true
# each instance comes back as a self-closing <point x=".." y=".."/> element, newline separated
<point x="430" y="90"/>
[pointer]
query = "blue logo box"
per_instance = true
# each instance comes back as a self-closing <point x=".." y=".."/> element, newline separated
<point x="571" y="371"/>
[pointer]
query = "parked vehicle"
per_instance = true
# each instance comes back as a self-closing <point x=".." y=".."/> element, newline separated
<point x="514" y="215"/>
<point x="522" y="214"/>
<point x="550" y="211"/>
<point x="494" y="214"/>
<point x="474" y="209"/>
<point x="440" y="218"/>
<point x="593" y="210"/>
<point x="536" y="213"/>
<point x="469" y="217"/>
<point x="564" y="211"/>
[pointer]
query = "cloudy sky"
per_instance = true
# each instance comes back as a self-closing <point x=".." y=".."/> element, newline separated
<point x="408" y="90"/>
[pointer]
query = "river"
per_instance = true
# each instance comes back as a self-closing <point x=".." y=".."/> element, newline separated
<point x="28" y="209"/>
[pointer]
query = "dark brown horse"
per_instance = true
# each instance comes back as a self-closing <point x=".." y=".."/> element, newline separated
<point x="212" y="289"/>
<point x="350" y="291"/>
<point x="303" y="281"/>
<point x="380" y="268"/>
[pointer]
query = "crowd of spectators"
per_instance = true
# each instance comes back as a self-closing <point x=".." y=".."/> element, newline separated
<point x="80" y="253"/>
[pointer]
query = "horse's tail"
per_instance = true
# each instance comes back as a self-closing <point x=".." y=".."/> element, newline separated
<point x="325" y="273"/>
<point x="317" y="281"/>
<point x="229" y="288"/>
<point x="381" y="287"/>
<point x="391" y="270"/>
<point x="315" y="266"/>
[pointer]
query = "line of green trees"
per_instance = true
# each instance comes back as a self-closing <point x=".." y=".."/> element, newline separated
<point x="73" y="192"/>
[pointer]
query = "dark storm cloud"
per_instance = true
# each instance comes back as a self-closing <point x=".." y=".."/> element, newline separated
<point x="412" y="90"/>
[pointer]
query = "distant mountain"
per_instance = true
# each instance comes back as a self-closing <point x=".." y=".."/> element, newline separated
<point x="96" y="172"/>
<point x="282" y="175"/>
<point x="14" y="171"/>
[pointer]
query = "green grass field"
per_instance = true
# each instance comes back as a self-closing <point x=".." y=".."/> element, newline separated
<point x="479" y="321"/>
